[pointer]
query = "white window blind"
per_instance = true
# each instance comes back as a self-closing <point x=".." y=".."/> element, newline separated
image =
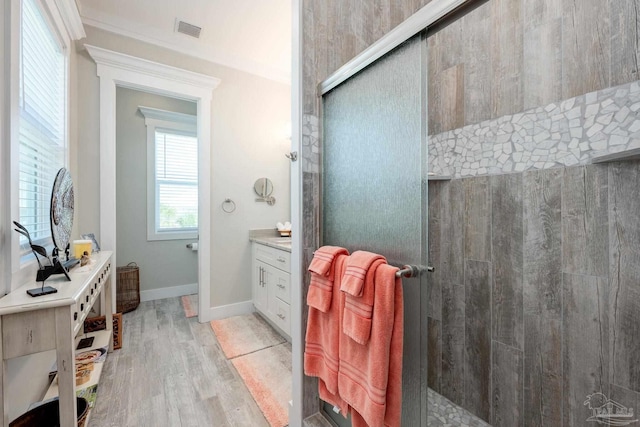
<point x="42" y="130"/>
<point x="176" y="186"/>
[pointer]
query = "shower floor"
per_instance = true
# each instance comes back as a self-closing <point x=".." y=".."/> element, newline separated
<point x="444" y="413"/>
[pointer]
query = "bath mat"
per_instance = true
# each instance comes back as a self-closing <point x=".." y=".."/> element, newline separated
<point x="190" y="305"/>
<point x="244" y="334"/>
<point x="267" y="375"/>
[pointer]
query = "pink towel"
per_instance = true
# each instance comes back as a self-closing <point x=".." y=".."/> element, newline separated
<point x="356" y="272"/>
<point x="321" y="352"/>
<point x="322" y="276"/>
<point x="370" y="376"/>
<point x="323" y="259"/>
<point x="358" y="283"/>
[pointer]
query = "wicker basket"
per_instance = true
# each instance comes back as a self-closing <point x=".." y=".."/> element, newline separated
<point x="128" y="288"/>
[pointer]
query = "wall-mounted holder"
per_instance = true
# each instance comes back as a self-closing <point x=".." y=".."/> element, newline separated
<point x="263" y="188"/>
<point x="228" y="205"/>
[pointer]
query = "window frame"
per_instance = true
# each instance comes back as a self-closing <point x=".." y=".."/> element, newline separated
<point x="168" y="121"/>
<point x="23" y="263"/>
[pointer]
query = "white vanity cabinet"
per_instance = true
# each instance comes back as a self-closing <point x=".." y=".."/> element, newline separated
<point x="271" y="284"/>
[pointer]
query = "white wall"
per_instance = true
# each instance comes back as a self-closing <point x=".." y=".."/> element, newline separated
<point x="249" y="118"/>
<point x="163" y="263"/>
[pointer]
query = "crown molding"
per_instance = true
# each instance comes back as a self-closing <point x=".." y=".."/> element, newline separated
<point x="138" y="65"/>
<point x="71" y="17"/>
<point x="168" y="116"/>
<point x="120" y="26"/>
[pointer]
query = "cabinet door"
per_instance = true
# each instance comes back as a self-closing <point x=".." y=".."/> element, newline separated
<point x="260" y="293"/>
<point x="281" y="281"/>
<point x="282" y="312"/>
<point x="278" y="289"/>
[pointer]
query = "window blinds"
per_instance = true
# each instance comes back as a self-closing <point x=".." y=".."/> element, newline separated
<point x="42" y="105"/>
<point x="176" y="181"/>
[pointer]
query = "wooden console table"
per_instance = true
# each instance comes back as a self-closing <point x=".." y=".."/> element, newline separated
<point x="31" y="325"/>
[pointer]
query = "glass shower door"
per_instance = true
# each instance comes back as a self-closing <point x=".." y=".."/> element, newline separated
<point x="374" y="189"/>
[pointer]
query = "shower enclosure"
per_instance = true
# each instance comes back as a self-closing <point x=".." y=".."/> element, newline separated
<point x="531" y="315"/>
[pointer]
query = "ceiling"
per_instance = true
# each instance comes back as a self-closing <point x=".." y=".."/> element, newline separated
<point x="250" y="35"/>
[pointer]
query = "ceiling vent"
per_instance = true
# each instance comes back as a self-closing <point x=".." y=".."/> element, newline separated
<point x="188" y="29"/>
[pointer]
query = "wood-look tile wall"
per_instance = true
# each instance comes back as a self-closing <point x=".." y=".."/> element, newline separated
<point x="536" y="302"/>
<point x="507" y="56"/>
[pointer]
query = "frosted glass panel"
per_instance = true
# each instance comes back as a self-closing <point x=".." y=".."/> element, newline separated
<point x="372" y="154"/>
<point x="374" y="188"/>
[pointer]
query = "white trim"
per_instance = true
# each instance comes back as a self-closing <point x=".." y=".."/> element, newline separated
<point x="168" y="116"/>
<point x="132" y="64"/>
<point x="170" y="292"/>
<point x="71" y="18"/>
<point x="224" y="311"/>
<point x="297" y="337"/>
<point x="5" y="166"/>
<point x="116" y="69"/>
<point x="188" y="47"/>
<point x="417" y="22"/>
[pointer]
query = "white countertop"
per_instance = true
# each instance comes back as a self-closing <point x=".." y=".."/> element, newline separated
<point x="282" y="243"/>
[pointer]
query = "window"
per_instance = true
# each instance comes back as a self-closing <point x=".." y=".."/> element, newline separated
<point x="42" y="130"/>
<point x="172" y="175"/>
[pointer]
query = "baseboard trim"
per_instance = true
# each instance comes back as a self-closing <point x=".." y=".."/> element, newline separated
<point x="170" y="292"/>
<point x="224" y="311"/>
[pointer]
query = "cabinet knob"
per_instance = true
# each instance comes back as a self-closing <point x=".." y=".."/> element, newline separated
<point x="82" y="307"/>
<point x="281" y="286"/>
<point x="282" y="316"/>
<point x="281" y="259"/>
<point x="87" y="297"/>
<point x="75" y="315"/>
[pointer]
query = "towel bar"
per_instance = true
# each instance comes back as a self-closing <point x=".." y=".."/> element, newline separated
<point x="408" y="271"/>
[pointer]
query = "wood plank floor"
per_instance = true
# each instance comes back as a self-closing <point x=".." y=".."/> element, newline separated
<point x="171" y="372"/>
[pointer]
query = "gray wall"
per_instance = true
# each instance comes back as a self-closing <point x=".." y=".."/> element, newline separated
<point x="249" y="116"/>
<point x="163" y="263"/>
<point x="534" y="303"/>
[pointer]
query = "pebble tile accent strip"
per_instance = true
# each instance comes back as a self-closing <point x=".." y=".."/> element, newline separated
<point x="310" y="143"/>
<point x="443" y="413"/>
<point x="561" y="134"/>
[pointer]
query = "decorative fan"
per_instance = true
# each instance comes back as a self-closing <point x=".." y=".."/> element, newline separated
<point x="62" y="209"/>
<point x="61" y="216"/>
